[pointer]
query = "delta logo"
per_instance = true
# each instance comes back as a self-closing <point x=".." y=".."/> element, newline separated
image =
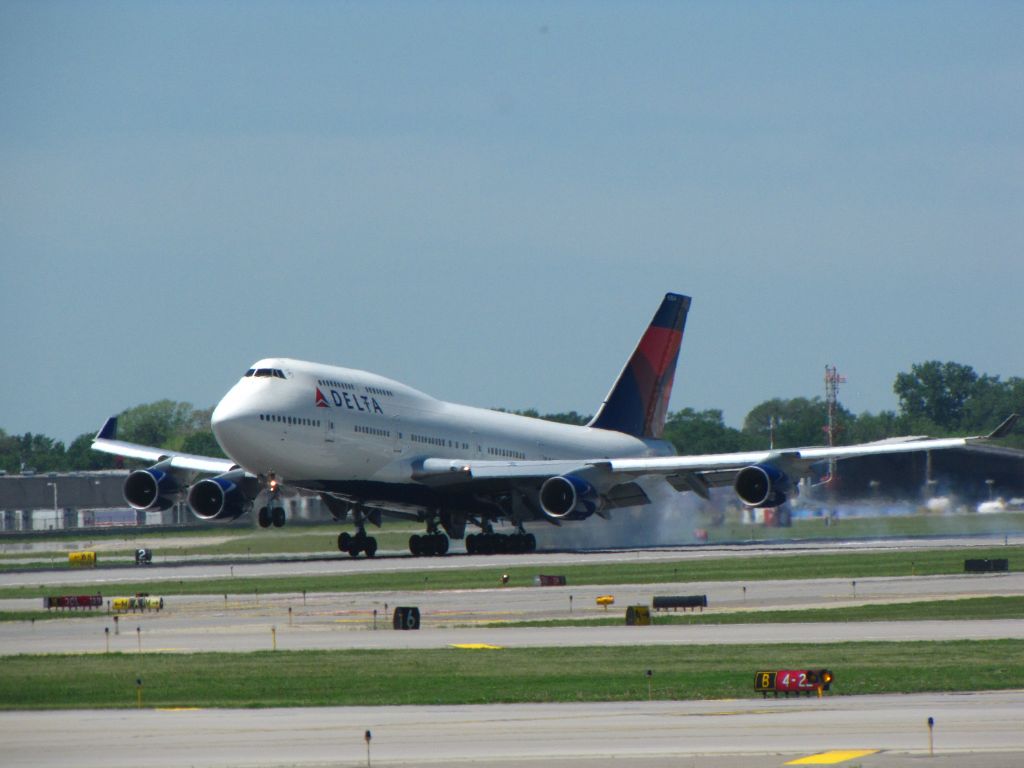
<point x="321" y="401"/>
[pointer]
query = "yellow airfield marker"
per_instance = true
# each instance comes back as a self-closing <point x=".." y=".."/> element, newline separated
<point x="477" y="647"/>
<point x="833" y="757"/>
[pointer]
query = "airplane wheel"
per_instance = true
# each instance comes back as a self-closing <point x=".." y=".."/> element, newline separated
<point x="442" y="544"/>
<point x="371" y="547"/>
<point x="264" y="517"/>
<point x="531" y="543"/>
<point x="415" y="545"/>
<point x="471" y="544"/>
<point x="344" y="541"/>
<point x="277" y="515"/>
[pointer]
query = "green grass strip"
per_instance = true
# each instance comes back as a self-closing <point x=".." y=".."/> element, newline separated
<point x="966" y="609"/>
<point x="455" y="676"/>
<point x="757" y="568"/>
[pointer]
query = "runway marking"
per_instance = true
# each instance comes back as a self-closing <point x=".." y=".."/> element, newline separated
<point x="833" y="757"/>
<point x="477" y="647"/>
<point x="178" y="709"/>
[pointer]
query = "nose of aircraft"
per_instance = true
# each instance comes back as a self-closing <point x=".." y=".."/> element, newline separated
<point x="229" y="421"/>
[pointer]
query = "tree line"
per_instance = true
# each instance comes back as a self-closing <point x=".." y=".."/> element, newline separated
<point x="935" y="399"/>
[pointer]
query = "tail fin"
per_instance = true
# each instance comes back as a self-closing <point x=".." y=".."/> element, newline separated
<point x="638" y="402"/>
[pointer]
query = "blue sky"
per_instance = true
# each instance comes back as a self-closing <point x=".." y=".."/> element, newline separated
<point x="488" y="200"/>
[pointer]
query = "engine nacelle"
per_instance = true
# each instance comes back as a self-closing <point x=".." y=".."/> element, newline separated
<point x="153" y="488"/>
<point x="567" y="497"/>
<point x="762" y="485"/>
<point x="220" y="498"/>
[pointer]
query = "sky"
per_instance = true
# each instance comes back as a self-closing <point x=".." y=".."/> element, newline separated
<point x="487" y="201"/>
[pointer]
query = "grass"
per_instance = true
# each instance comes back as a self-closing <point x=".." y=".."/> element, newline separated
<point x="966" y="609"/>
<point x="453" y="676"/>
<point x="873" y="527"/>
<point x="800" y="566"/>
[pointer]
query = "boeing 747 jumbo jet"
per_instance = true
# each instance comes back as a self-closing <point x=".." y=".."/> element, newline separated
<point x="369" y="446"/>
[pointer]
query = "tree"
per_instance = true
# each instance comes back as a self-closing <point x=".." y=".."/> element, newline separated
<point x="935" y="393"/>
<point x="696" y="432"/>
<point x="796" y="422"/>
<point x="156" y="423"/>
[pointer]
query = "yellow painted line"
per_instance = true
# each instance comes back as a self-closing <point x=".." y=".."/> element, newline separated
<point x="177" y="709"/>
<point x="477" y="647"/>
<point x="833" y="757"/>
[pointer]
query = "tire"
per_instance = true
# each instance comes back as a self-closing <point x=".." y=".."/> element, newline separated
<point x="264" y="517"/>
<point x="471" y="544"/>
<point x="370" y="547"/>
<point x="415" y="545"/>
<point x="344" y="541"/>
<point x="442" y="544"/>
<point x="277" y="515"/>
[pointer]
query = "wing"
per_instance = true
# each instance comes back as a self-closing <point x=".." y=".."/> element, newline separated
<point x="576" y="489"/>
<point x="106" y="442"/>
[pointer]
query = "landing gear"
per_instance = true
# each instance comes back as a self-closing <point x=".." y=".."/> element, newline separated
<point x="430" y="545"/>
<point x="271" y="516"/>
<point x="358" y="543"/>
<point x="500" y="544"/>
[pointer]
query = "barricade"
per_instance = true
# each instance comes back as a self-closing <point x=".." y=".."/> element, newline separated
<point x="664" y="602"/>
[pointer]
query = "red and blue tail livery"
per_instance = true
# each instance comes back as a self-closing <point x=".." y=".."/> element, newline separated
<point x="638" y="401"/>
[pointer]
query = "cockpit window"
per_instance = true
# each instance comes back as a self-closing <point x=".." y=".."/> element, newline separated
<point x="277" y="373"/>
<point x="250" y="372"/>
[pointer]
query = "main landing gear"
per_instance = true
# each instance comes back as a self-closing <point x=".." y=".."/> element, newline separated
<point x="358" y="543"/>
<point x="430" y="544"/>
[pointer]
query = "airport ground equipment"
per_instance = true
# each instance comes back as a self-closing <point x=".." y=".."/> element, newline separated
<point x="997" y="565"/>
<point x="638" y="616"/>
<point x="406" y="618"/>
<point x="665" y="602"/>
<point x="73" y="602"/>
<point x="795" y="681"/>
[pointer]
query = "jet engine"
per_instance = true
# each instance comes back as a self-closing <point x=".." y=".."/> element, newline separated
<point x="568" y="497"/>
<point x="762" y="485"/>
<point x="223" y="497"/>
<point x="155" y="488"/>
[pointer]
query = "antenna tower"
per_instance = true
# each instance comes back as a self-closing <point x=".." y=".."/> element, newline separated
<point x="832" y="382"/>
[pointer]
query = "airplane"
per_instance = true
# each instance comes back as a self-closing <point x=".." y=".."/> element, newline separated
<point x="370" y="446"/>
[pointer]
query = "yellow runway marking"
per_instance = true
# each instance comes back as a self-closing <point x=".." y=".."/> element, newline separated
<point x="177" y="709"/>
<point x="477" y="647"/>
<point x="833" y="757"/>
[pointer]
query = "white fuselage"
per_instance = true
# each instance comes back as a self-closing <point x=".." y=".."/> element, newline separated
<point x="304" y="421"/>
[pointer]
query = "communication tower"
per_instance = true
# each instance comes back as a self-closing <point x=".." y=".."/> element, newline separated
<point x="832" y="381"/>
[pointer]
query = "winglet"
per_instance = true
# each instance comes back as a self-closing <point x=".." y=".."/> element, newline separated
<point x="1003" y="429"/>
<point x="638" y="401"/>
<point x="109" y="429"/>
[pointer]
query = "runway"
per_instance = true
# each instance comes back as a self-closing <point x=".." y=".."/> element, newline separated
<point x="984" y="729"/>
<point x="885" y="731"/>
